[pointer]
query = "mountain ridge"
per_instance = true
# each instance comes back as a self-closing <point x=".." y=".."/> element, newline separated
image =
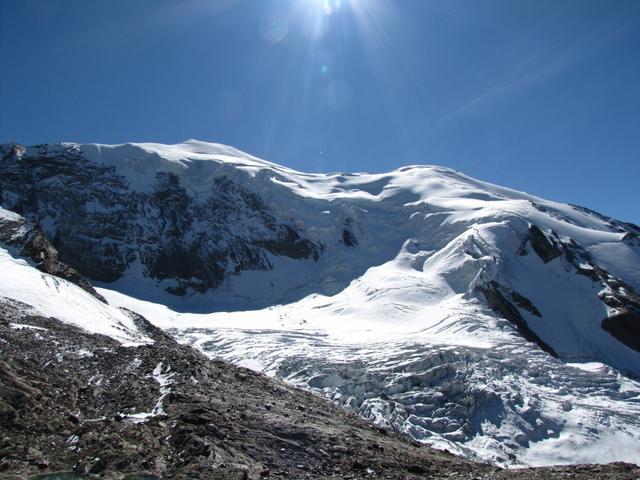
<point x="221" y="249"/>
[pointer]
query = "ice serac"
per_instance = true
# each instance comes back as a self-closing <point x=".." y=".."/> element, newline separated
<point x="467" y="315"/>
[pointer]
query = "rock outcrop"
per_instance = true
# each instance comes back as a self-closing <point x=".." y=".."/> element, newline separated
<point x="498" y="301"/>
<point x="30" y="242"/>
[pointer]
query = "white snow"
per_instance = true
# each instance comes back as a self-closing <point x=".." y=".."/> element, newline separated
<point x="164" y="380"/>
<point x="22" y="326"/>
<point x="395" y="327"/>
<point x="620" y="260"/>
<point x="570" y="448"/>
<point x="54" y="297"/>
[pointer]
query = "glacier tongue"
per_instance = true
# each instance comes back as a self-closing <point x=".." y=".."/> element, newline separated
<point x="468" y="383"/>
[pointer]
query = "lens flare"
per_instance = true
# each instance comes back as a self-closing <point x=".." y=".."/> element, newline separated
<point x="274" y="28"/>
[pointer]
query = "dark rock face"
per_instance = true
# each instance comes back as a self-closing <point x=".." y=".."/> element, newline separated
<point x="545" y="246"/>
<point x="623" y="321"/>
<point x="29" y="242"/>
<point x="625" y="326"/>
<point x="525" y="303"/>
<point x="101" y="228"/>
<point x="496" y="300"/>
<point x="348" y="238"/>
<point x="288" y="243"/>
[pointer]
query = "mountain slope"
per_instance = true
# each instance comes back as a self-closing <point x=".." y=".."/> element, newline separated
<point x="165" y="411"/>
<point x="466" y="315"/>
<point x="76" y="403"/>
<point x="54" y="289"/>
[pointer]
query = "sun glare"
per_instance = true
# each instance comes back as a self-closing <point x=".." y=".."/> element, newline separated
<point x="330" y="6"/>
<point x="325" y="7"/>
<point x="318" y="34"/>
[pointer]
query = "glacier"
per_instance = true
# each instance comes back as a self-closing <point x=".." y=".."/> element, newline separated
<point x="471" y="317"/>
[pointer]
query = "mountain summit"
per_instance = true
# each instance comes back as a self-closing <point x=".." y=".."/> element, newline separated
<point x="465" y="315"/>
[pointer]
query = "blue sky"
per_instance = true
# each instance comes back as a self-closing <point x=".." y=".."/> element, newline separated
<point x="540" y="95"/>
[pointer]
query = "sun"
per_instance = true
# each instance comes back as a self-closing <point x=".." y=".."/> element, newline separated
<point x="330" y="6"/>
<point x="325" y="7"/>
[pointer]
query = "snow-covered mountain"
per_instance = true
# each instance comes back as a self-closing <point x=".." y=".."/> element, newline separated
<point x="469" y="316"/>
